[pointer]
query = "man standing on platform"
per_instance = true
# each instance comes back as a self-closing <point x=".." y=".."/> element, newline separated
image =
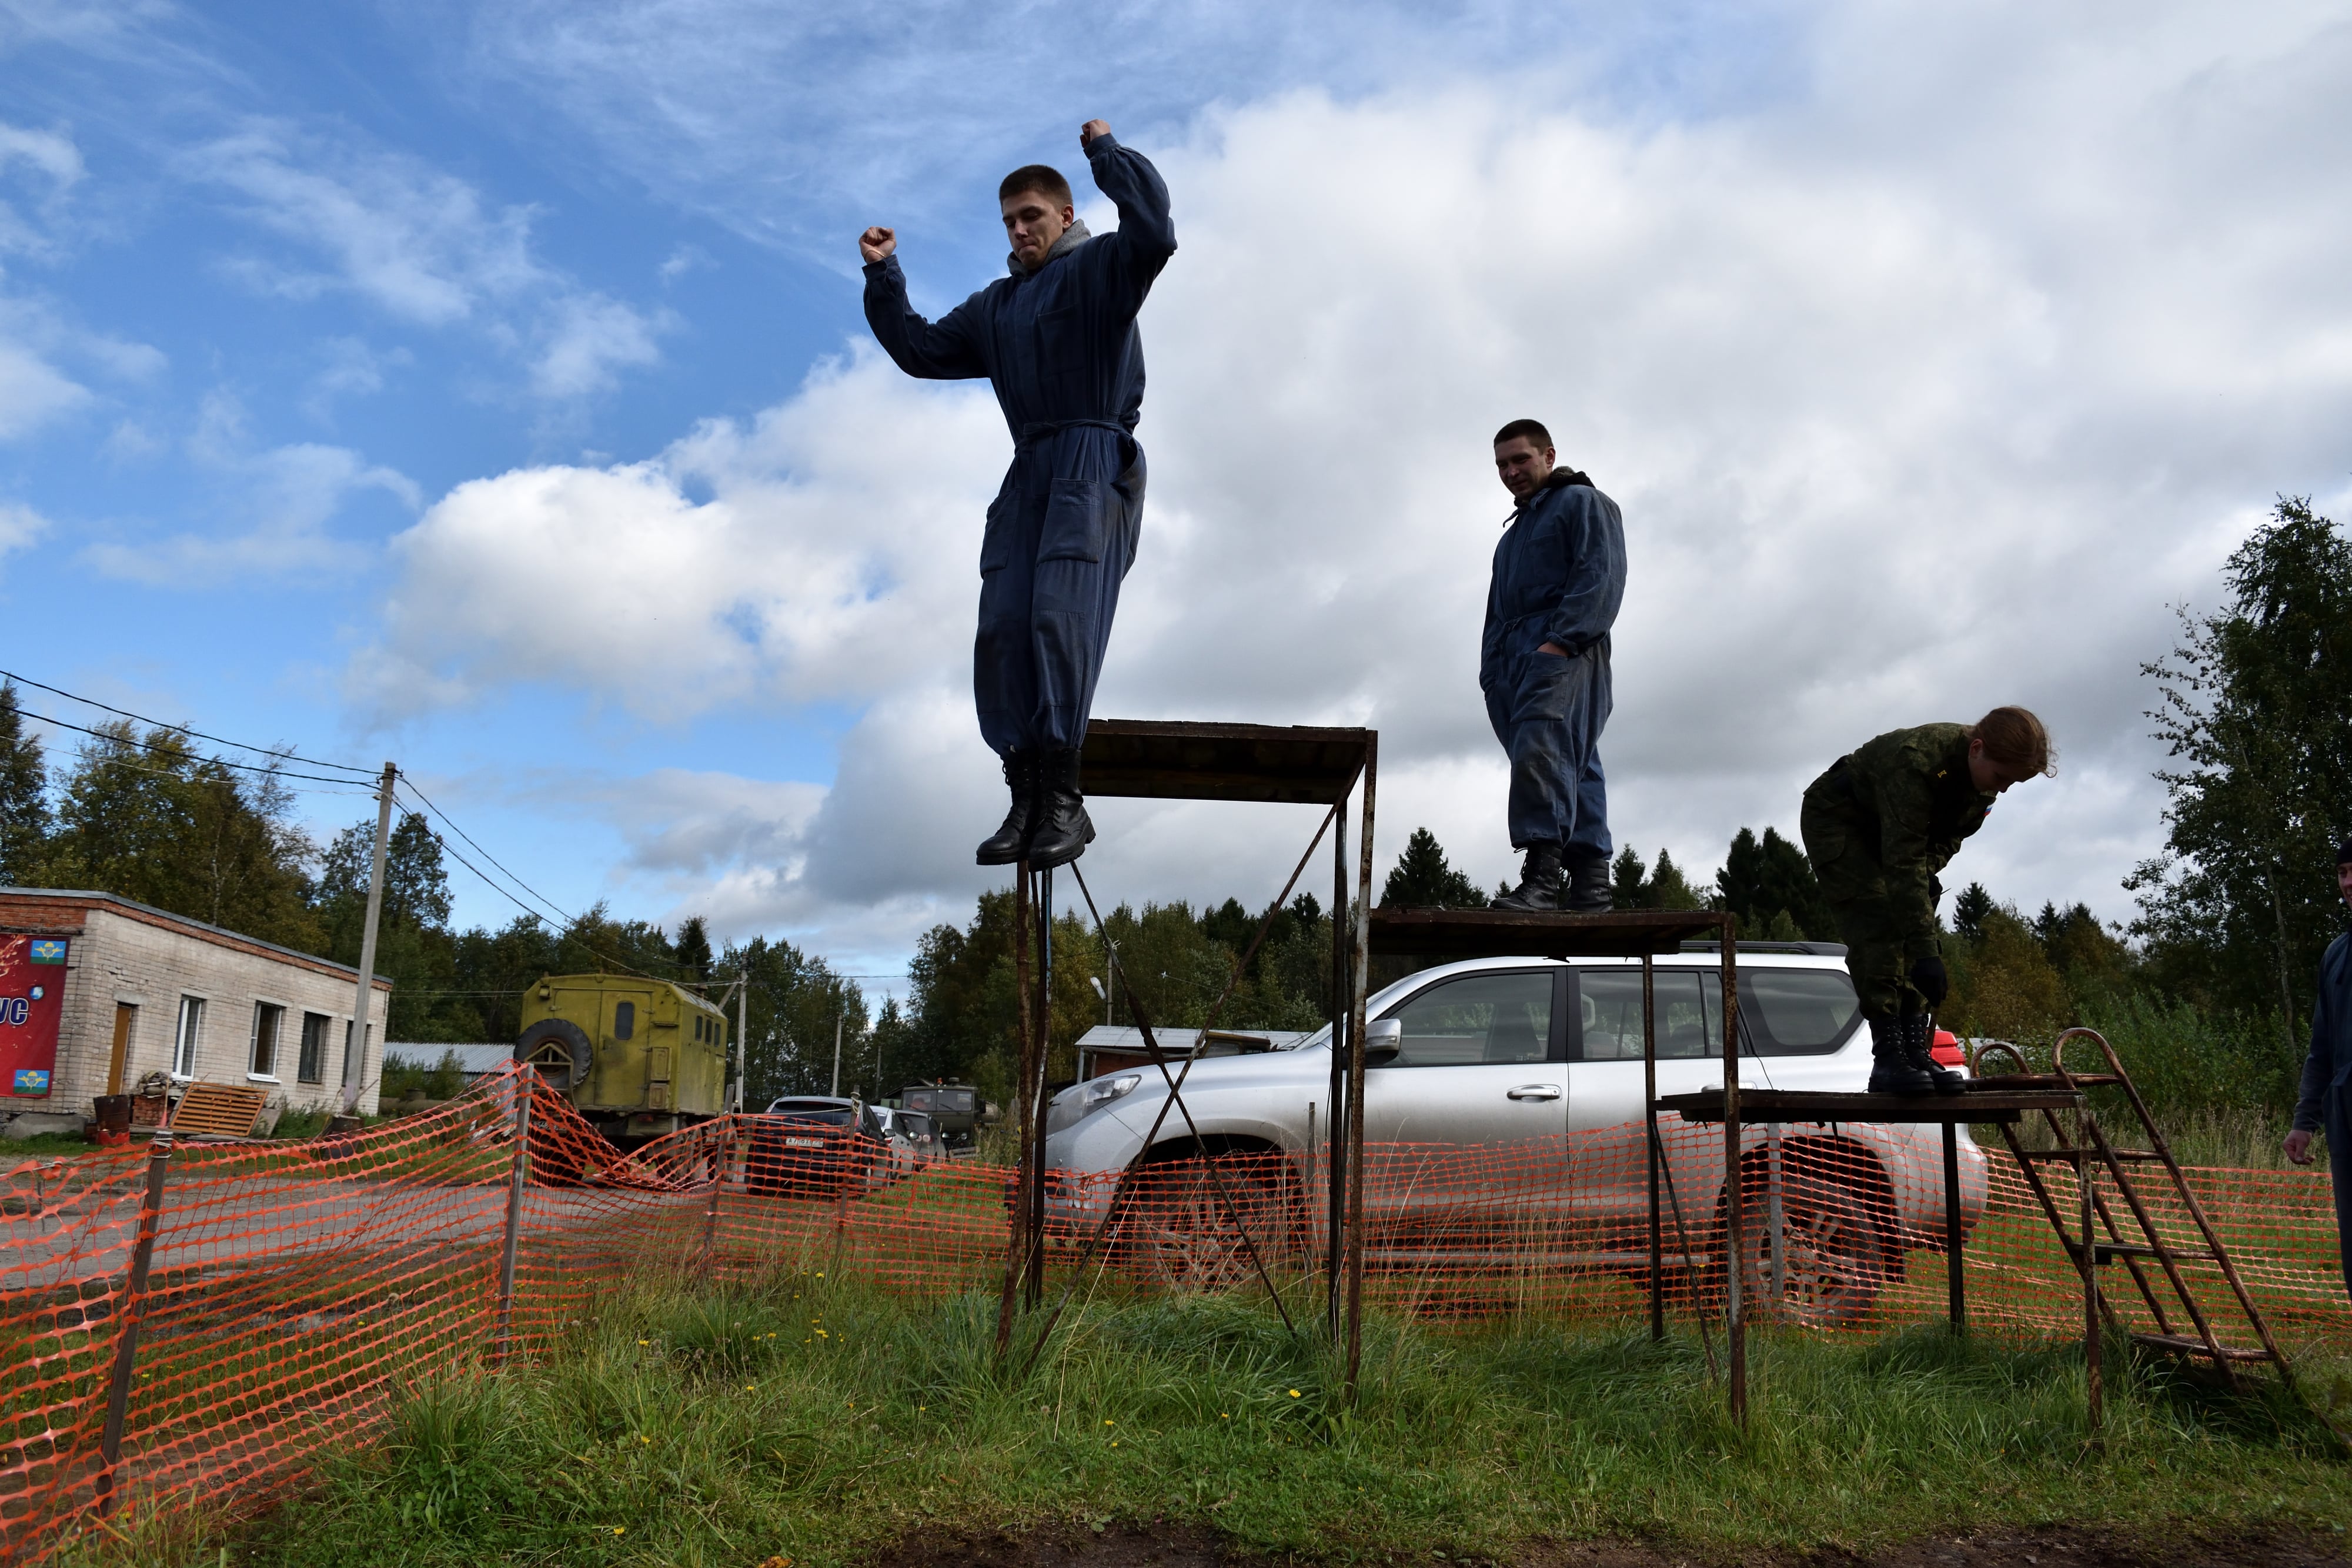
<point x="2327" y="1072"/>
<point x="1057" y="340"/>
<point x="1559" y="576"/>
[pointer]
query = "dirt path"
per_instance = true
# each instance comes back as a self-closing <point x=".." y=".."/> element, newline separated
<point x="1073" y="1546"/>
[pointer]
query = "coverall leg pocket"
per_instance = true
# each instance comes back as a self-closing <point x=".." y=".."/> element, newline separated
<point x="1073" y="521"/>
<point x="996" y="538"/>
<point x="1547" y="687"/>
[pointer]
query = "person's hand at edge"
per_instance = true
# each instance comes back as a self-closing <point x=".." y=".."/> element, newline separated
<point x="1089" y="130"/>
<point x="2297" y="1147"/>
<point x="877" y="243"/>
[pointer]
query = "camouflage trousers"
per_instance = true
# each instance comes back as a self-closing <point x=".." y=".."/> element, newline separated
<point x="1881" y="930"/>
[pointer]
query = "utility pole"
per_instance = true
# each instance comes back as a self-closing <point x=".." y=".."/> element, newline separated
<point x="835" y="1090"/>
<point x="355" y="1043"/>
<point x="742" y="1014"/>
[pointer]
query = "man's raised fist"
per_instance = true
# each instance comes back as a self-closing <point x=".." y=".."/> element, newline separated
<point x="1092" y="128"/>
<point x="877" y="243"/>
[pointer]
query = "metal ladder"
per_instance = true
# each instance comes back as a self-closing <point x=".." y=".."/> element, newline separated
<point x="2102" y="1233"/>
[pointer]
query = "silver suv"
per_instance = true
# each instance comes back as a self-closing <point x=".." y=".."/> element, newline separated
<point x="1506" y="1126"/>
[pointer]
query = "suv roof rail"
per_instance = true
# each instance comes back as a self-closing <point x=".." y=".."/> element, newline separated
<point x="1814" y="949"/>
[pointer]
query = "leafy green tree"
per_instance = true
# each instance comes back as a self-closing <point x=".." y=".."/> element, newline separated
<point x="2256" y="704"/>
<point x="151" y="820"/>
<point x="1765" y="878"/>
<point x="1422" y="879"/>
<point x="23" y="798"/>
<point x="793" y="1002"/>
<point x="415" y="947"/>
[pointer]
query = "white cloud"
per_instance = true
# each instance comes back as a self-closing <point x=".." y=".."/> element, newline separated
<point x="33" y="391"/>
<point x="1927" y="390"/>
<point x="20" y="527"/>
<point x="426" y="247"/>
<point x="282" y="500"/>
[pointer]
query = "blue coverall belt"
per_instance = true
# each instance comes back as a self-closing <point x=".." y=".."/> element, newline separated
<point x="1046" y="429"/>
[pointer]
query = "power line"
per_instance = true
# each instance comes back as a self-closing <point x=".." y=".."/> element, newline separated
<point x="151" y="746"/>
<point x="403" y="780"/>
<point x="182" y="728"/>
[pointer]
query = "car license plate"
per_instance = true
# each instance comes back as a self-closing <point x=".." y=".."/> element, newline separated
<point x="803" y="1142"/>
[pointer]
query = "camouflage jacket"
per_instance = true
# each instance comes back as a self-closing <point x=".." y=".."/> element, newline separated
<point x="1910" y="794"/>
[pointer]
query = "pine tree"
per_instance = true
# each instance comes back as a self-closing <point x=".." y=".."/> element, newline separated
<point x="23" y="797"/>
<point x="694" y="950"/>
<point x="1769" y="876"/>
<point x="1422" y="880"/>
<point x="1970" y="909"/>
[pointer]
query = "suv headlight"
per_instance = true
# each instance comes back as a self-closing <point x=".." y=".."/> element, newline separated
<point x="1080" y="1101"/>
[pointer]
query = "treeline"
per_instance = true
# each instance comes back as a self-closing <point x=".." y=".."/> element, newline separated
<point x="143" y="814"/>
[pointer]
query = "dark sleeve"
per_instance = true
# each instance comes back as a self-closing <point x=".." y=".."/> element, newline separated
<point x="1592" y="538"/>
<point x="2320" y="1066"/>
<point x="1124" y="263"/>
<point x="1904" y="800"/>
<point x="942" y="351"/>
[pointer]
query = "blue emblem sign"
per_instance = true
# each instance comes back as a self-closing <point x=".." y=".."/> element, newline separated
<point x="47" y="953"/>
<point x="31" y="1080"/>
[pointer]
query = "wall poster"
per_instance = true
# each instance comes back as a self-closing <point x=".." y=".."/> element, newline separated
<point x="32" y="992"/>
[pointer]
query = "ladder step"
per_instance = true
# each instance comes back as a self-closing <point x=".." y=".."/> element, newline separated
<point x="2107" y="1252"/>
<point x="2140" y="1156"/>
<point x="2187" y="1346"/>
<point x="2055" y="1154"/>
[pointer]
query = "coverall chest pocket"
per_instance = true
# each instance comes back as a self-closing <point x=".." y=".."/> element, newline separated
<point x="996" y="538"/>
<point x="1073" y="521"/>
<point x="1060" y="353"/>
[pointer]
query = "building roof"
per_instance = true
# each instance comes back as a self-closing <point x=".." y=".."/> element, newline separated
<point x="472" y="1060"/>
<point x="147" y="914"/>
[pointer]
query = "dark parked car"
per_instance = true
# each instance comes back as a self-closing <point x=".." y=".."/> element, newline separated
<point x="817" y="1146"/>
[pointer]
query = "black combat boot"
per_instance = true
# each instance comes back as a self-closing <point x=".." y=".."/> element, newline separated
<point x="1003" y="846"/>
<point x="1891" y="1071"/>
<point x="1538" y="889"/>
<point x="1587" y="885"/>
<point x="1062" y="830"/>
<point x="1919" y="1053"/>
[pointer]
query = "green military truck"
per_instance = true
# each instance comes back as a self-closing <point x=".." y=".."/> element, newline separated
<point x="637" y="1058"/>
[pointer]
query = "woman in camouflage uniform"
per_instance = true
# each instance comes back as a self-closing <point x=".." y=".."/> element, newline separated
<point x="1879" y="826"/>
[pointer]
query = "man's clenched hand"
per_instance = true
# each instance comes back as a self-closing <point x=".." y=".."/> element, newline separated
<point x="1090" y="130"/>
<point x="2298" y="1147"/>
<point x="877" y="243"/>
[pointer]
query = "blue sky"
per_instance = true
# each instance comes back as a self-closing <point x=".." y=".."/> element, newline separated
<point x="485" y="387"/>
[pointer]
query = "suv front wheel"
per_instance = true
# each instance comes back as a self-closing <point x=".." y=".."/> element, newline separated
<point x="1177" y="1232"/>
<point x="1834" y="1262"/>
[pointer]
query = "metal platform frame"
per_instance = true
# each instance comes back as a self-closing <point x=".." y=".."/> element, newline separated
<point x="1980" y="1101"/>
<point x="1176" y="760"/>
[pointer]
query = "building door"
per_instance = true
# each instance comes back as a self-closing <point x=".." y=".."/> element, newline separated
<point x="126" y="1019"/>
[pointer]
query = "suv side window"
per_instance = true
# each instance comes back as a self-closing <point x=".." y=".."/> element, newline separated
<point x="1782" y="1013"/>
<point x="1474" y="1020"/>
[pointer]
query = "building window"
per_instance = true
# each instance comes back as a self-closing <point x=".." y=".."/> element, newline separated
<point x="347" y="1077"/>
<point x="183" y="1044"/>
<point x="312" y="1066"/>
<point x="268" y="1022"/>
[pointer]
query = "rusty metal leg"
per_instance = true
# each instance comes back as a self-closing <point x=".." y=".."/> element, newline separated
<point x="510" y="1243"/>
<point x="1735" y="1248"/>
<point x="2092" y="1391"/>
<point x="1016" y="1240"/>
<point x="1362" y="919"/>
<point x="1776" y="1220"/>
<point x="1650" y="1114"/>
<point x="1956" y="1274"/>
<point x="128" y="1313"/>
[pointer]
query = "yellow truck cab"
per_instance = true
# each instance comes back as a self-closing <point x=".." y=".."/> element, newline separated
<point x="637" y="1058"/>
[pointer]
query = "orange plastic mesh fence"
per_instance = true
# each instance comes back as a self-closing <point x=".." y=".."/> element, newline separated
<point x="292" y="1287"/>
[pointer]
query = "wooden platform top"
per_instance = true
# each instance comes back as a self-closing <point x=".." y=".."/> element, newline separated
<point x="1180" y="760"/>
<point x="1452" y="934"/>
<point x="1991" y="1102"/>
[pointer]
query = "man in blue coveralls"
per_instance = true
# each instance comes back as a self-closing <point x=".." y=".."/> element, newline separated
<point x="1559" y="576"/>
<point x="2327" y="1072"/>
<point x="1056" y="339"/>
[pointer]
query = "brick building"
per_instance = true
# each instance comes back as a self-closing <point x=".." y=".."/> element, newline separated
<point x="145" y="990"/>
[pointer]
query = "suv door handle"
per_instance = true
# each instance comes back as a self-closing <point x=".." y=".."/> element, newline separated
<point x="1535" y="1091"/>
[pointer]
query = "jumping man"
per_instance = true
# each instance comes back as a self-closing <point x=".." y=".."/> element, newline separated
<point x="1057" y="340"/>
<point x="1559" y="576"/>
<point x="1879" y="826"/>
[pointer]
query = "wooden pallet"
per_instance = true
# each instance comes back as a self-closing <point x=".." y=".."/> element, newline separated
<point x="223" y="1110"/>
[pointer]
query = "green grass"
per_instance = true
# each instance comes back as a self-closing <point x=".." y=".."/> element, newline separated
<point x="816" y="1419"/>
